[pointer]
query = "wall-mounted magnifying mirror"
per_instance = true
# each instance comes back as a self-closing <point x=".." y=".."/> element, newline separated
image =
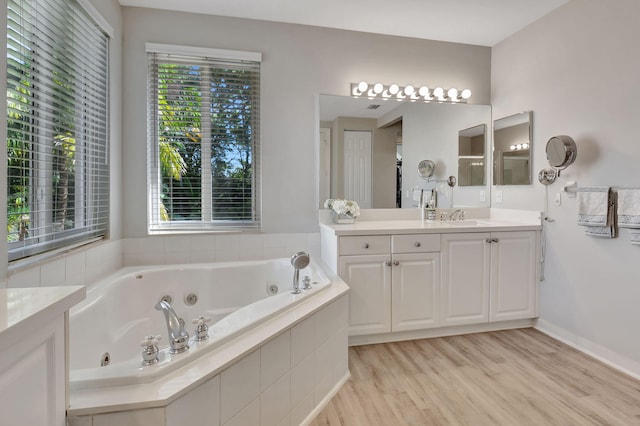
<point x="561" y="152"/>
<point x="426" y="169"/>
<point x="512" y="138"/>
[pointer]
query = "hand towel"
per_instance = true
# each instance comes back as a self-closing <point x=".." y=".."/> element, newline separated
<point x="596" y="211"/>
<point x="629" y="208"/>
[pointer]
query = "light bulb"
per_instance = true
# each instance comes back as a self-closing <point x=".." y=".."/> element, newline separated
<point x="438" y="92"/>
<point x="378" y="88"/>
<point x="466" y="94"/>
<point x="512" y="147"/>
<point x="453" y="94"/>
<point x="423" y="91"/>
<point x="363" y="86"/>
<point x="519" y="146"/>
<point x="408" y="90"/>
<point x="525" y="146"/>
<point x="394" y="88"/>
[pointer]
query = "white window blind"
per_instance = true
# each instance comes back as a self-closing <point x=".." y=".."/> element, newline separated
<point x="57" y="126"/>
<point x="204" y="129"/>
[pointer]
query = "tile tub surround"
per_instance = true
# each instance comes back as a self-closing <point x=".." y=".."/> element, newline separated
<point x="86" y="264"/>
<point x="280" y="373"/>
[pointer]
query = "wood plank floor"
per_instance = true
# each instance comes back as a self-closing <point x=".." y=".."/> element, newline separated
<point x="513" y="377"/>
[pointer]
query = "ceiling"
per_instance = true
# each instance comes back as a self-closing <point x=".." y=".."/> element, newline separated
<point x="479" y="22"/>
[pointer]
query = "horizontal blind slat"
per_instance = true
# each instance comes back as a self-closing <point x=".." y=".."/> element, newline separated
<point x="57" y="126"/>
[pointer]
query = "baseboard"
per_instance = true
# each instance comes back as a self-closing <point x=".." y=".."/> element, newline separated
<point x="326" y="400"/>
<point x="612" y="359"/>
<point x="438" y="332"/>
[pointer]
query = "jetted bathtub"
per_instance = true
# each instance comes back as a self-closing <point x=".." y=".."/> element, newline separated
<point x="106" y="330"/>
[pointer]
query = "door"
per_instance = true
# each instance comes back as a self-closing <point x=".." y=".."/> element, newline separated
<point x="369" y="278"/>
<point x="357" y="167"/>
<point x="415" y="291"/>
<point x="513" y="275"/>
<point x="465" y="278"/>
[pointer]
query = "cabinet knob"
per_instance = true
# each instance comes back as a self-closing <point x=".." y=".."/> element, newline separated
<point x="365" y="245"/>
<point x="494" y="240"/>
<point x="396" y="263"/>
<point x="417" y="244"/>
<point x="488" y="240"/>
<point x="387" y="263"/>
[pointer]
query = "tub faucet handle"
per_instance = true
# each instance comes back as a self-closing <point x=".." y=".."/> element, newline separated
<point x="150" y="349"/>
<point x="306" y="282"/>
<point x="202" y="329"/>
<point x="150" y="340"/>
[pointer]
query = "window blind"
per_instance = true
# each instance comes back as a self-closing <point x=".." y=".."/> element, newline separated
<point x="57" y="126"/>
<point x="204" y="128"/>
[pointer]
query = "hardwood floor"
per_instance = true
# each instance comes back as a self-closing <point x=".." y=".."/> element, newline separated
<point x="513" y="377"/>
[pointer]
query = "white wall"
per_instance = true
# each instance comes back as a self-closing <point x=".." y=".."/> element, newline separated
<point x="299" y="62"/>
<point x="578" y="70"/>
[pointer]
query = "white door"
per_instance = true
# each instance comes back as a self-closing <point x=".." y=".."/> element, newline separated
<point x="415" y="291"/>
<point x="465" y="278"/>
<point x="369" y="280"/>
<point x="513" y="275"/>
<point x="325" y="164"/>
<point x="357" y="167"/>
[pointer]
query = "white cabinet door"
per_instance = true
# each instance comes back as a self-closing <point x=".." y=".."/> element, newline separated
<point x="464" y="297"/>
<point x="513" y="276"/>
<point x="369" y="277"/>
<point x="415" y="292"/>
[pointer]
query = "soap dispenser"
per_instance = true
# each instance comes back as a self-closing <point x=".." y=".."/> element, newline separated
<point x="431" y="206"/>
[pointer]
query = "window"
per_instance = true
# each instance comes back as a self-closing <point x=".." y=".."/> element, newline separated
<point x="57" y="126"/>
<point x="204" y="134"/>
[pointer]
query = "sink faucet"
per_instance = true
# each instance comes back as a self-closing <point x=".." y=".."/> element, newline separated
<point x="178" y="336"/>
<point x="457" y="214"/>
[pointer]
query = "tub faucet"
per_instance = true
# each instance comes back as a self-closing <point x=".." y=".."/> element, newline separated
<point x="299" y="260"/>
<point x="178" y="336"/>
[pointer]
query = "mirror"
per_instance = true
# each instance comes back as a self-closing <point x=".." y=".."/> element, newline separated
<point x="426" y="169"/>
<point x="512" y="149"/>
<point x="561" y="152"/>
<point x="370" y="150"/>
<point x="471" y="158"/>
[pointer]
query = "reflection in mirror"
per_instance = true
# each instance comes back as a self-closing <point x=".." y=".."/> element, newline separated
<point x="378" y="168"/>
<point x="512" y="149"/>
<point x="471" y="158"/>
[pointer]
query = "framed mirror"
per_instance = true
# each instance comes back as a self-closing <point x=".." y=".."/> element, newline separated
<point x="512" y="137"/>
<point x="472" y="144"/>
<point x="380" y="165"/>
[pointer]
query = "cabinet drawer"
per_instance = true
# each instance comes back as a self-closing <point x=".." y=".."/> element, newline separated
<point x="368" y="244"/>
<point x="415" y="243"/>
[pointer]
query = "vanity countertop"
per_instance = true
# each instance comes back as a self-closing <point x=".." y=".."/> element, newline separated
<point x="497" y="220"/>
<point x="24" y="310"/>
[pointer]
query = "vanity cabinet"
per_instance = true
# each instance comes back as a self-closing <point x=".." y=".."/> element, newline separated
<point x="412" y="279"/>
<point x="464" y="297"/>
<point x="488" y="277"/>
<point x="394" y="281"/>
<point x="415" y="278"/>
<point x="513" y="292"/>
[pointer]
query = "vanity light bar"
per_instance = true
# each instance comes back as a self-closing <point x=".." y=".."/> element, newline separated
<point x="410" y="93"/>
<point x="519" y="147"/>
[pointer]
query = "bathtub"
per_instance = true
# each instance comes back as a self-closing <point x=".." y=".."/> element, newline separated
<point x="106" y="329"/>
